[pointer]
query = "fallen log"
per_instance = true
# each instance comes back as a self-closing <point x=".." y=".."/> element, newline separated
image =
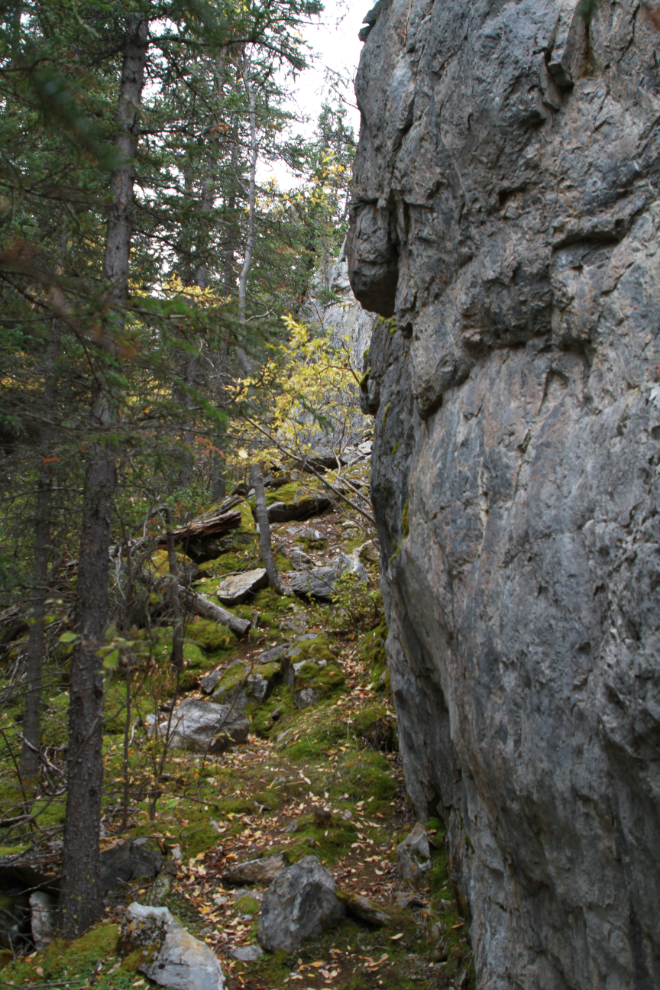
<point x="204" y="527"/>
<point x="365" y="909"/>
<point x="208" y="610"/>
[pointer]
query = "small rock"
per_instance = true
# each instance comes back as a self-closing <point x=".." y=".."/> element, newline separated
<point x="209" y="683"/>
<point x="204" y="727"/>
<point x="300" y="560"/>
<point x="414" y="855"/>
<point x="349" y="524"/>
<point x="306" y="698"/>
<point x="246" y="953"/>
<point x="239" y="587"/>
<point x="269" y="656"/>
<point x="43" y="908"/>
<point x="256" y="870"/>
<point x="177" y="855"/>
<point x="174" y="958"/>
<point x="312" y="535"/>
<point x="319" y="583"/>
<point x="300" y="903"/>
<point x="368" y="553"/>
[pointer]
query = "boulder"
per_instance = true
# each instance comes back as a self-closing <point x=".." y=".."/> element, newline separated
<point x="127" y="860"/>
<point x="260" y="871"/>
<point x="317" y="583"/>
<point x="43" y="918"/>
<point x="300" y="903"/>
<point x="414" y="855"/>
<point x="240" y="587"/>
<point x="204" y="727"/>
<point x="505" y="211"/>
<point x="172" y="957"/>
<point x="300" y="560"/>
<point x="239" y="684"/>
<point x="246" y="953"/>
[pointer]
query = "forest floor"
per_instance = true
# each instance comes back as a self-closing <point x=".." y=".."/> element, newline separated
<point x="323" y="781"/>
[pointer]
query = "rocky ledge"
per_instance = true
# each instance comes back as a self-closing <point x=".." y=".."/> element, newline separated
<point x="506" y="213"/>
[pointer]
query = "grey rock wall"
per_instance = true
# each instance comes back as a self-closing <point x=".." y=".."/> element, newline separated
<point x="506" y="212"/>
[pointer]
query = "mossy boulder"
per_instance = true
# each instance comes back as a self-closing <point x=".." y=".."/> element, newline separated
<point x="312" y="672"/>
<point x="241" y="685"/>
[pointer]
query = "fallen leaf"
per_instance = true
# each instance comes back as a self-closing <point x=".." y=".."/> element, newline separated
<point x="395" y="938"/>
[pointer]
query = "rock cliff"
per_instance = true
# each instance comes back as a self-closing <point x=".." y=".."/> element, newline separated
<point x="506" y="214"/>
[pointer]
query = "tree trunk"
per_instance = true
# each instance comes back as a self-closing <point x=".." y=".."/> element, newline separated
<point x="252" y="205"/>
<point x="175" y="598"/>
<point x="274" y="576"/>
<point x="219" y="477"/>
<point x="32" y="712"/>
<point x="81" y="896"/>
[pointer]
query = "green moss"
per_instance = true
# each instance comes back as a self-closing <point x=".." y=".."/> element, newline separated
<point x="273" y="969"/>
<point x="210" y="635"/>
<point x="139" y="957"/>
<point x="325" y="681"/>
<point x="247" y="905"/>
<point x="394" y="448"/>
<point x="364" y="379"/>
<point x="271" y="715"/>
<point x="405" y="520"/>
<point x="80" y="956"/>
<point x="387" y="409"/>
<point x="328" y="843"/>
<point x="311" y="544"/>
<point x="198" y="839"/>
<point x="283" y="563"/>
<point x="363" y="775"/>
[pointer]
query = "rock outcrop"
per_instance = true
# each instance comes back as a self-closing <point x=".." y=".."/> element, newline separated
<point x="506" y="213"/>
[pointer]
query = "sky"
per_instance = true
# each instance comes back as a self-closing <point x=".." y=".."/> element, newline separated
<point x="334" y="55"/>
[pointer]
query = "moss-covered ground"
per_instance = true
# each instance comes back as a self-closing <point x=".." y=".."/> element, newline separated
<point x="324" y="781"/>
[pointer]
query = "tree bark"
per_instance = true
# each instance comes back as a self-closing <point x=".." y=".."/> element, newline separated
<point x="252" y="206"/>
<point x="274" y="576"/>
<point x="175" y="599"/>
<point x="32" y="712"/>
<point x="80" y="903"/>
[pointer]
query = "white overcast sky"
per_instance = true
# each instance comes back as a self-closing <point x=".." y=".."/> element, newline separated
<point x="334" y="46"/>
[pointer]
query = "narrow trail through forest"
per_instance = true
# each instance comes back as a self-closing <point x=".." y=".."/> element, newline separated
<point x="318" y="775"/>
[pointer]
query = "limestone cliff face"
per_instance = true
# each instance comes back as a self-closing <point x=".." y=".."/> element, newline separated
<point x="507" y="214"/>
